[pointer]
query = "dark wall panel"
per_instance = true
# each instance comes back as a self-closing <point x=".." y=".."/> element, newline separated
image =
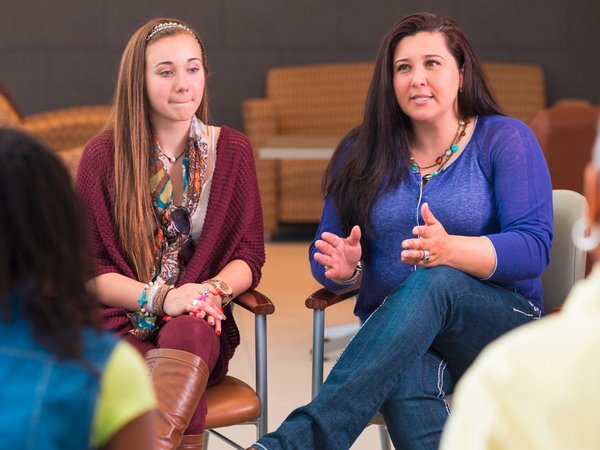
<point x="65" y="52"/>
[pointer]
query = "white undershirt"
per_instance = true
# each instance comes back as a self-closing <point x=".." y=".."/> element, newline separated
<point x="200" y="213"/>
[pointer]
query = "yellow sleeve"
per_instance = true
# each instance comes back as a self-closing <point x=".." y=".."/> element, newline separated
<point x="125" y="393"/>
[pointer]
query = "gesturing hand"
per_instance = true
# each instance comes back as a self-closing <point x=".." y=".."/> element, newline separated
<point x="339" y="255"/>
<point x="432" y="245"/>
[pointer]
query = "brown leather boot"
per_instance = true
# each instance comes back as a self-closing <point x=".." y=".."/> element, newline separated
<point x="191" y="442"/>
<point x="179" y="381"/>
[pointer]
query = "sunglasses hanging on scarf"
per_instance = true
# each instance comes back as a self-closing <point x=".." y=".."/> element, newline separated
<point x="180" y="218"/>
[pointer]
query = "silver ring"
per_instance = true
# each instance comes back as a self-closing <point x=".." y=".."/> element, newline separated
<point x="326" y="268"/>
<point x="425" y="255"/>
<point x="195" y="302"/>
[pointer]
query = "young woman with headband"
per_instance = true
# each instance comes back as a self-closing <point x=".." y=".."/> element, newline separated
<point x="175" y="222"/>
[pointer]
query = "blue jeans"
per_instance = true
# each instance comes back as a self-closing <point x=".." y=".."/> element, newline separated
<point x="396" y="362"/>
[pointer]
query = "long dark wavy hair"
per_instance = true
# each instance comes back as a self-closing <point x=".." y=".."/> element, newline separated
<point x="373" y="157"/>
<point x="43" y="240"/>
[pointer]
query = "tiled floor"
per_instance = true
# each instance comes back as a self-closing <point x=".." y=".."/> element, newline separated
<point x="286" y="281"/>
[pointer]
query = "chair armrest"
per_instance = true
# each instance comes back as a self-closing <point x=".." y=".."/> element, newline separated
<point x="261" y="306"/>
<point x="324" y="297"/>
<point x="318" y="301"/>
<point x="255" y="302"/>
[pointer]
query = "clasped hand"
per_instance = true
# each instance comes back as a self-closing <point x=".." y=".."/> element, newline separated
<point x="199" y="300"/>
<point x="432" y="245"/>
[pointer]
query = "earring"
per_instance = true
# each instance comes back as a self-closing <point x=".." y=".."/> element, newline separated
<point x="460" y="90"/>
<point x="583" y="242"/>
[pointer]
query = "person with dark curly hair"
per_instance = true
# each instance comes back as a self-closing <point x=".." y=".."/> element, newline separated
<point x="64" y="383"/>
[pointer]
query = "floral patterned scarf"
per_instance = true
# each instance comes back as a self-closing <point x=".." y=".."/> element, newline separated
<point x="167" y="240"/>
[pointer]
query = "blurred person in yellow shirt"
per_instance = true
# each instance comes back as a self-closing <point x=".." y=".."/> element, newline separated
<point x="537" y="387"/>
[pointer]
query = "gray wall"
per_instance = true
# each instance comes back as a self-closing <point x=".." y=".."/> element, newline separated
<point x="58" y="53"/>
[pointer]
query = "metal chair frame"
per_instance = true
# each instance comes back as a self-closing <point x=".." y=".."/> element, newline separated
<point x="261" y="307"/>
<point x="318" y="302"/>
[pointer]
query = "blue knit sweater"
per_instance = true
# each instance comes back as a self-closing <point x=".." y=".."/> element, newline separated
<point x="498" y="187"/>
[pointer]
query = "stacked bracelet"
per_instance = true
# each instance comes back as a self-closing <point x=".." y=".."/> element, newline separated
<point x="150" y="296"/>
<point x="144" y="320"/>
<point x="159" y="300"/>
<point x="152" y="299"/>
<point x="146" y="300"/>
<point x="354" y="277"/>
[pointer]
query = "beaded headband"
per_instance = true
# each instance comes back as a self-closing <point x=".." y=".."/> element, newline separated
<point x="166" y="26"/>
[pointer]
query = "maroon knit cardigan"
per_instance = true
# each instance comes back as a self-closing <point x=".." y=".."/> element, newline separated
<point x="233" y="228"/>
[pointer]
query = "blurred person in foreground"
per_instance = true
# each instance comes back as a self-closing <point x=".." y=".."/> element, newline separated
<point x="549" y="398"/>
<point x="64" y="383"/>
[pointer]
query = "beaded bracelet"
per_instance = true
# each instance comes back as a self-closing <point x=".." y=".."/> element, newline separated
<point x="142" y="301"/>
<point x="354" y="277"/>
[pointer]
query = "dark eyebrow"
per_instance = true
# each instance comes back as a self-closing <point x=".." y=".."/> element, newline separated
<point x="431" y="55"/>
<point x="168" y="63"/>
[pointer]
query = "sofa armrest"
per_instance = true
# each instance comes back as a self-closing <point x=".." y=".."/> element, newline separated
<point x="9" y="114"/>
<point x="519" y="88"/>
<point x="260" y="121"/>
<point x="68" y="127"/>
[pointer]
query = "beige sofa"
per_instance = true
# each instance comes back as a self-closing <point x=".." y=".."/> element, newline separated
<point x="60" y="129"/>
<point x="328" y="99"/>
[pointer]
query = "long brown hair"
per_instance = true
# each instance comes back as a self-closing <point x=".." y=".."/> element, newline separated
<point x="134" y="216"/>
<point x="374" y="157"/>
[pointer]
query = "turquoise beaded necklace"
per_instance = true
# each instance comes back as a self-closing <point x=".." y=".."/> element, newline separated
<point x="443" y="159"/>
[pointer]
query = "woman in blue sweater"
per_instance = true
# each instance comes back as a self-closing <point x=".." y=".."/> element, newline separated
<point x="446" y="206"/>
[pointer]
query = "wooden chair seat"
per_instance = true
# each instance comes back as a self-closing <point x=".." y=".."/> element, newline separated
<point x="231" y="402"/>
